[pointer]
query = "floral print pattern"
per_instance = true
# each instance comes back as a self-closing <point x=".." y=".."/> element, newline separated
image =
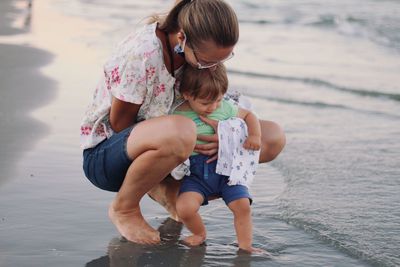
<point x="135" y="73"/>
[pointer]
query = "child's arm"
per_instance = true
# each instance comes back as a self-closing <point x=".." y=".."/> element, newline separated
<point x="253" y="141"/>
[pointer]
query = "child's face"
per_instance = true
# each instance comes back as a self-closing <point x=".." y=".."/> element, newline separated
<point x="204" y="107"/>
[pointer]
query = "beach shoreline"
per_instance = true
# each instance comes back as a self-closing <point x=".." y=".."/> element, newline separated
<point x="10" y="13"/>
<point x="52" y="57"/>
<point x="23" y="89"/>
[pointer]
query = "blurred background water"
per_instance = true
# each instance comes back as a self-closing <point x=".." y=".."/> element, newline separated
<point x="329" y="73"/>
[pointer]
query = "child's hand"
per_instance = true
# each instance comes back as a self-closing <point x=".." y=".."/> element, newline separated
<point x="253" y="142"/>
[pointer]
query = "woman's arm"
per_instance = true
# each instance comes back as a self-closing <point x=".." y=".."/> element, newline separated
<point x="211" y="148"/>
<point x="253" y="141"/>
<point x="122" y="114"/>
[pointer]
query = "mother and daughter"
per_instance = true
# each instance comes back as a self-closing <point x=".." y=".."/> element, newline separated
<point x="131" y="142"/>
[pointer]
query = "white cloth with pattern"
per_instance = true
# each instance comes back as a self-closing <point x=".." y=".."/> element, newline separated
<point x="181" y="170"/>
<point x="234" y="160"/>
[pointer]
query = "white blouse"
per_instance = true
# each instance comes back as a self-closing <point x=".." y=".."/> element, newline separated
<point x="135" y="73"/>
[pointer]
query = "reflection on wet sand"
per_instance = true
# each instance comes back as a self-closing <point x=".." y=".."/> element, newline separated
<point x="28" y="15"/>
<point x="23" y="89"/>
<point x="171" y="252"/>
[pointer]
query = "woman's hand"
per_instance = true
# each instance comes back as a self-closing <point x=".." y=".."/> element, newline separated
<point x="211" y="148"/>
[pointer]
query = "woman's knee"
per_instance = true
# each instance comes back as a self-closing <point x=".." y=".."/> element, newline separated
<point x="273" y="140"/>
<point x="181" y="137"/>
<point x="185" y="129"/>
<point x="170" y="136"/>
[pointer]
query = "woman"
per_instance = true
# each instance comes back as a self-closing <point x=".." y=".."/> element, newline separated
<point x="130" y="143"/>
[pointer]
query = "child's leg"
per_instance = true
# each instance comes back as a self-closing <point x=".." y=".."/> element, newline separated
<point x="187" y="207"/>
<point x="243" y="223"/>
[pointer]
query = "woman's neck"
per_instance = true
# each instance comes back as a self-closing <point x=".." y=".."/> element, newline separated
<point x="167" y="54"/>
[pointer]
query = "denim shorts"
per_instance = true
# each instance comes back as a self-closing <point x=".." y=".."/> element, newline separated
<point x="204" y="180"/>
<point x="106" y="164"/>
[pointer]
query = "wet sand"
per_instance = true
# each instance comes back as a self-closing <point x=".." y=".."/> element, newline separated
<point x="50" y="215"/>
<point x="23" y="88"/>
<point x="53" y="215"/>
<point x="9" y="12"/>
<point x="48" y="208"/>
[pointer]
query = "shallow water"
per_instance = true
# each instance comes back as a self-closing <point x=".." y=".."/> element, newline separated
<point x="328" y="73"/>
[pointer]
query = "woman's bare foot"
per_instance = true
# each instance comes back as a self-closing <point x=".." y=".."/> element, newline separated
<point x="166" y="193"/>
<point x="194" y="240"/>
<point x="133" y="227"/>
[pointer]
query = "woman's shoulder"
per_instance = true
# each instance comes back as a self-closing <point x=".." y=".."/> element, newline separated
<point x="139" y="45"/>
<point x="142" y="37"/>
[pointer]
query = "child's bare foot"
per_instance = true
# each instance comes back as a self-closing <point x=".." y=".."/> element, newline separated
<point x="133" y="227"/>
<point x="194" y="240"/>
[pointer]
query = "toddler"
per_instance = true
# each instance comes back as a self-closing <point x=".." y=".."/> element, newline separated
<point x="203" y="91"/>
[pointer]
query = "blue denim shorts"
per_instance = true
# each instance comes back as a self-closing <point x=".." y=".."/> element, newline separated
<point x="106" y="164"/>
<point x="204" y="180"/>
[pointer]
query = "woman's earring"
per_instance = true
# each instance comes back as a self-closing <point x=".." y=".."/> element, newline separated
<point x="178" y="49"/>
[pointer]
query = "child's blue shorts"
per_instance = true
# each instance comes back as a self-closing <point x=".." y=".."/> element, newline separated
<point x="106" y="164"/>
<point x="204" y="180"/>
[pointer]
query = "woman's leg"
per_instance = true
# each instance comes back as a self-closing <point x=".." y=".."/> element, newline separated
<point x="273" y="140"/>
<point x="166" y="193"/>
<point x="157" y="146"/>
<point x="187" y="206"/>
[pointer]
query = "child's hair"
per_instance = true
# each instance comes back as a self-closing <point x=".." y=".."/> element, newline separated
<point x="202" y="21"/>
<point x="204" y="83"/>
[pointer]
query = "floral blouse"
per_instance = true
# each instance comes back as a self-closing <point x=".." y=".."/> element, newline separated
<point x="135" y="73"/>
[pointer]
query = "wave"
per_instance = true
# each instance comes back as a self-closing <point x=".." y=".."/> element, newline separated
<point x="375" y="23"/>
<point x="320" y="83"/>
<point x="330" y="20"/>
<point x="341" y="242"/>
<point x="297" y="102"/>
<point x="321" y="105"/>
<point x="259" y="21"/>
<point x="383" y="31"/>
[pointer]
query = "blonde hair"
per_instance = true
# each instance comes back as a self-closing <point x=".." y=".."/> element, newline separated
<point x="204" y="83"/>
<point x="202" y="21"/>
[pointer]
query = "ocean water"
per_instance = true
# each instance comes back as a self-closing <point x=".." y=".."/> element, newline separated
<point x="327" y="71"/>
